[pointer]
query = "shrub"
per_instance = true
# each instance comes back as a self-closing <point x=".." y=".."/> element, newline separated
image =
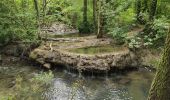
<point x="85" y="27"/>
<point x="153" y="35"/>
<point x="16" y="24"/>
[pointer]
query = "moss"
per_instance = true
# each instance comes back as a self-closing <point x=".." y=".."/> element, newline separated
<point x="33" y="55"/>
<point x="154" y="63"/>
<point x="160" y="87"/>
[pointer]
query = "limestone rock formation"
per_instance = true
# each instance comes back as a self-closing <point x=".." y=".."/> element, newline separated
<point x="59" y="28"/>
<point x="58" y="53"/>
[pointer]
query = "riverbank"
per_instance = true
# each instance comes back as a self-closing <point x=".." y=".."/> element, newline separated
<point x="117" y="85"/>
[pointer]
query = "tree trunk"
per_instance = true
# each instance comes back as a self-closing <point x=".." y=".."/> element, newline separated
<point x="44" y="7"/>
<point x="85" y="12"/>
<point x="99" y="34"/>
<point x="153" y="9"/>
<point x="94" y="15"/>
<point x="160" y="88"/>
<point x="138" y="11"/>
<point x="36" y="8"/>
<point x="44" y="10"/>
<point x="145" y="5"/>
<point x="101" y="20"/>
<point x="38" y="17"/>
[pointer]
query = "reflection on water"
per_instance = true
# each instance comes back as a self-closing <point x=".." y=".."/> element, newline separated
<point x="69" y="86"/>
<point x="97" y="49"/>
<point x="125" y="86"/>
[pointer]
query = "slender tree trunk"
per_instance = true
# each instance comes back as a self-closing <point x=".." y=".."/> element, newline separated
<point x="85" y="12"/>
<point x="38" y="16"/>
<point x="101" y="20"/>
<point x="138" y="11"/>
<point x="94" y="15"/>
<point x="100" y="26"/>
<point x="160" y="88"/>
<point x="98" y="19"/>
<point x="36" y="8"/>
<point x="153" y="9"/>
<point x="44" y="7"/>
<point x="44" y="10"/>
<point x="145" y="5"/>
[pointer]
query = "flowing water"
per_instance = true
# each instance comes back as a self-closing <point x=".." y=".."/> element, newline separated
<point x="69" y="86"/>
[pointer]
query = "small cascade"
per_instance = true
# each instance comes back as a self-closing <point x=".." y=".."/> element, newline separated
<point x="92" y="75"/>
<point x="68" y="69"/>
<point x="106" y="75"/>
<point x="80" y="73"/>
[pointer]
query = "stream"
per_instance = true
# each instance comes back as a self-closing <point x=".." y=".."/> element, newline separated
<point x="67" y="85"/>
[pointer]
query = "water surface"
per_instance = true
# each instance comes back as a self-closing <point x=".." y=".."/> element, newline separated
<point x="69" y="86"/>
<point x="98" y="49"/>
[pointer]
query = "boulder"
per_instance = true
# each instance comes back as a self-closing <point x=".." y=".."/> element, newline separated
<point x="47" y="65"/>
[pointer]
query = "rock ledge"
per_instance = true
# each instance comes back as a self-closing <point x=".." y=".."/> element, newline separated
<point x="57" y="53"/>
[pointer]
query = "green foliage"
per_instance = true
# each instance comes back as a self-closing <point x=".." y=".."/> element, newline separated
<point x="119" y="16"/>
<point x="19" y="23"/>
<point x="16" y="23"/>
<point x="161" y="27"/>
<point x="118" y="34"/>
<point x="134" y="42"/>
<point x="85" y="27"/>
<point x="61" y="9"/>
<point x="163" y="8"/>
<point x="127" y="17"/>
<point x="153" y="35"/>
<point x="156" y="32"/>
<point x="69" y="12"/>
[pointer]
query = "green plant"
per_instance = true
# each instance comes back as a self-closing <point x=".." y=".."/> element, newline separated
<point x="16" y="23"/>
<point x="155" y="32"/>
<point x="116" y="21"/>
<point x="85" y="27"/>
<point x="134" y="42"/>
<point x="160" y="26"/>
<point x="153" y="35"/>
<point x="118" y="34"/>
